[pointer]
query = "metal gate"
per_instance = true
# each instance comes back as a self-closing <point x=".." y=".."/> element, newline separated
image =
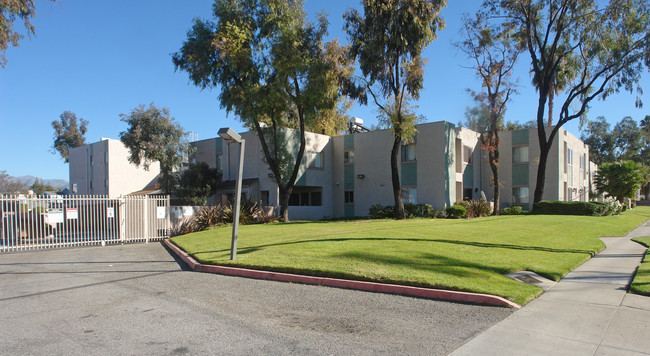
<point x="32" y="223"/>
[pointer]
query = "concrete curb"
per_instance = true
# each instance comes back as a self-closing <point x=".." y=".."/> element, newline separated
<point x="464" y="297"/>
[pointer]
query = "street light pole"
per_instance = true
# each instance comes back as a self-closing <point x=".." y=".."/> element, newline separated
<point x="235" y="224"/>
<point x="231" y="136"/>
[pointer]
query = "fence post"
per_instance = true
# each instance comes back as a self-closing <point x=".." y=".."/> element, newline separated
<point x="167" y="217"/>
<point x="146" y="219"/>
<point x="122" y="217"/>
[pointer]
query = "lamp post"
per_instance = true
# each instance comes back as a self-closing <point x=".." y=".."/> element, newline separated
<point x="231" y="136"/>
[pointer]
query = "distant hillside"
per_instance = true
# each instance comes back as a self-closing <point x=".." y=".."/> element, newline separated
<point x="29" y="180"/>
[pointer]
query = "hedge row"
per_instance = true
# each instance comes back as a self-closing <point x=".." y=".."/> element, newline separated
<point x="552" y="207"/>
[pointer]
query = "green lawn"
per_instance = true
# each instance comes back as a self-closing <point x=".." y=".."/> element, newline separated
<point x="467" y="255"/>
<point x="641" y="282"/>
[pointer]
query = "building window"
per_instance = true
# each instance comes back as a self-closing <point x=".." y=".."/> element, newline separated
<point x="409" y="195"/>
<point x="569" y="157"/>
<point x="91" y="160"/>
<point x="582" y="162"/>
<point x="316" y="160"/>
<point x="74" y="187"/>
<point x="316" y="198"/>
<point x="520" y="195"/>
<point x="306" y="198"/>
<point x="105" y="157"/>
<point x="520" y="154"/>
<point x="467" y="193"/>
<point x="408" y="152"/>
<point x="348" y="157"/>
<point x="105" y="183"/>
<point x="349" y="197"/>
<point x="217" y="162"/>
<point x="264" y="197"/>
<point x="467" y="154"/>
<point x="91" y="185"/>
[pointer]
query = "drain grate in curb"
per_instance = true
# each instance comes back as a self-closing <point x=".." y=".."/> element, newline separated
<point x="532" y="278"/>
<point x="528" y="279"/>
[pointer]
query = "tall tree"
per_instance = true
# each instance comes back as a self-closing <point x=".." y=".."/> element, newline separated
<point x="607" y="46"/>
<point x="9" y="184"/>
<point x="68" y="133"/>
<point x="628" y="140"/>
<point x="9" y="11"/>
<point x="388" y="41"/>
<point x="600" y="140"/>
<point x="197" y="183"/>
<point x="39" y="187"/>
<point x="273" y="71"/>
<point x="493" y="52"/>
<point x="154" y="136"/>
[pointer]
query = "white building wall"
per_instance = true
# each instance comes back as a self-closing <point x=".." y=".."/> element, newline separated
<point x="102" y="168"/>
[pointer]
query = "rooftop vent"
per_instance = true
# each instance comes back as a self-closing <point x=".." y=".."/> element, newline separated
<point x="356" y="125"/>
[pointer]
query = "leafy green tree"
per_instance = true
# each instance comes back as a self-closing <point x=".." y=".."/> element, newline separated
<point x="68" y="133"/>
<point x="388" y="41"/>
<point x="154" y="136"/>
<point x="9" y="11"/>
<point x="493" y="53"/>
<point x="39" y="187"/>
<point x="476" y="117"/>
<point x="600" y="140"/>
<point x="273" y="71"/>
<point x="619" y="179"/>
<point x="645" y="140"/>
<point x="628" y="140"/>
<point x="516" y="125"/>
<point x="197" y="183"/>
<point x="606" y="47"/>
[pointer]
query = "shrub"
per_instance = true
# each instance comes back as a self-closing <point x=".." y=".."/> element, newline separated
<point x="420" y="211"/>
<point x="613" y="207"/>
<point x="455" y="211"/>
<point x="378" y="211"/>
<point x="208" y="217"/>
<point x="185" y="226"/>
<point x="251" y="211"/>
<point x="463" y="203"/>
<point x="513" y="210"/>
<point x="478" y="208"/>
<point x="551" y="207"/>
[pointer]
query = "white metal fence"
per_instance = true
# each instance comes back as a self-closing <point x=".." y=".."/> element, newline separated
<point x="81" y="220"/>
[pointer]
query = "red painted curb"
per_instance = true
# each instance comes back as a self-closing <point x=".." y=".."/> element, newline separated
<point x="465" y="297"/>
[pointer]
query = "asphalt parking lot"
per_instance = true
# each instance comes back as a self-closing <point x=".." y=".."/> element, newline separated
<point x="137" y="299"/>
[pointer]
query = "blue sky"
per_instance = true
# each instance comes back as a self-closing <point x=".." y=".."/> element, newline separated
<point x="101" y="58"/>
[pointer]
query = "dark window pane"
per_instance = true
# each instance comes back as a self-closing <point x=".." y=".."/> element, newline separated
<point x="294" y="199"/>
<point x="315" y="198"/>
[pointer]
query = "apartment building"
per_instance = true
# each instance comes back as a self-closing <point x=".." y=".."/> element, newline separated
<point x="103" y="168"/>
<point x="343" y="176"/>
<point x="569" y="172"/>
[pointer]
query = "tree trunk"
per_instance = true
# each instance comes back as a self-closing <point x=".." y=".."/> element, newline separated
<point x="541" y="172"/>
<point x="494" y="165"/>
<point x="285" y="194"/>
<point x="397" y="189"/>
<point x="551" y="96"/>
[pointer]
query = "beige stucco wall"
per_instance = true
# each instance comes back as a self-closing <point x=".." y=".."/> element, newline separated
<point x="109" y="170"/>
<point x="123" y="176"/>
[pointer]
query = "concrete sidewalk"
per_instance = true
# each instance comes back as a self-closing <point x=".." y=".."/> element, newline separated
<point x="587" y="313"/>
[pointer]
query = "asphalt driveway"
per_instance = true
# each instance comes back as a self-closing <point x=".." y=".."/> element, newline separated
<point x="137" y="299"/>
